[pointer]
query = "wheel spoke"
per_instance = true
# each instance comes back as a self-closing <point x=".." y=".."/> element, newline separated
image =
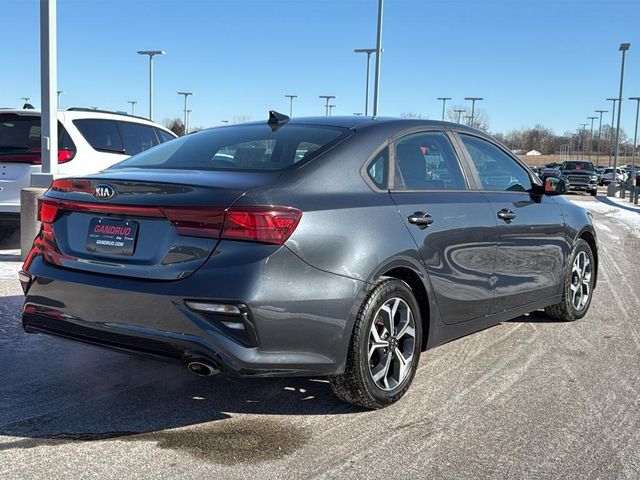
<point x="405" y="363"/>
<point x="376" y="342"/>
<point x="382" y="369"/>
<point x="407" y="327"/>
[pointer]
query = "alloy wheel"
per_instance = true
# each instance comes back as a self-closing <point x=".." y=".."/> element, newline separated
<point x="392" y="339"/>
<point x="581" y="281"/>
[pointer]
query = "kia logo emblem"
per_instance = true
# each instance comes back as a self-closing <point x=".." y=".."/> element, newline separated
<point x="104" y="192"/>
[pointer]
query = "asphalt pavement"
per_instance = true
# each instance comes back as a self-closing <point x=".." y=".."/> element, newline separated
<point x="529" y="398"/>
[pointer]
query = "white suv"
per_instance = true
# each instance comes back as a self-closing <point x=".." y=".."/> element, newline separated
<point x="88" y="141"/>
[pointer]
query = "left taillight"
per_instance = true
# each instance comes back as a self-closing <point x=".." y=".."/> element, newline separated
<point x="47" y="210"/>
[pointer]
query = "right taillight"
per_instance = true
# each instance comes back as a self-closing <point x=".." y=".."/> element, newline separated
<point x="264" y="224"/>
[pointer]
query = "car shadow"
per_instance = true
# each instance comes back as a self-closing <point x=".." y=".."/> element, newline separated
<point x="52" y="390"/>
<point x="535" y="317"/>
<point x="607" y="201"/>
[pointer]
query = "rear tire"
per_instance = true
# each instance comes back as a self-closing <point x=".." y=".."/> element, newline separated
<point x="384" y="350"/>
<point x="578" y="286"/>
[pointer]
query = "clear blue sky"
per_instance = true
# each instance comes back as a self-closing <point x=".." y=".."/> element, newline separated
<point x="544" y="61"/>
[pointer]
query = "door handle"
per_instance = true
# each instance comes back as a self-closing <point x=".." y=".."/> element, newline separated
<point x="422" y="219"/>
<point x="506" y="215"/>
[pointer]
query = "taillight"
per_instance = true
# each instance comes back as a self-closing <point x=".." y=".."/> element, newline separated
<point x="47" y="210"/>
<point x="34" y="156"/>
<point x="196" y="221"/>
<point x="71" y="185"/>
<point x="261" y="224"/>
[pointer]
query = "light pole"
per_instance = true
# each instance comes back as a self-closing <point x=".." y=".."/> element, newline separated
<point x="376" y="86"/>
<point x="444" y="101"/>
<point x="368" y="51"/>
<point x="291" y="97"/>
<point x="612" y="189"/>
<point x="133" y="105"/>
<point x="326" y="107"/>
<point x="331" y="107"/>
<point x="591" y="136"/>
<point x="613" y="119"/>
<point x="59" y="92"/>
<point x="468" y="118"/>
<point x="188" y="115"/>
<point x="186" y="119"/>
<point x="635" y="141"/>
<point x="599" y="136"/>
<point x="151" y="54"/>
<point x="459" y="112"/>
<point x="473" y="106"/>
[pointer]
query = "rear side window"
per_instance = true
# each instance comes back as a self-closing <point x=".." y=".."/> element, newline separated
<point x="242" y="147"/>
<point x="163" y="136"/>
<point x="427" y="161"/>
<point x="21" y="133"/>
<point x="377" y="169"/>
<point x="136" y="138"/>
<point x="497" y="170"/>
<point x="102" y="135"/>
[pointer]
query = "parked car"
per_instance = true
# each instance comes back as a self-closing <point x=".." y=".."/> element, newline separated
<point x="346" y="263"/>
<point x="581" y="175"/>
<point x="88" y="141"/>
<point x="607" y="176"/>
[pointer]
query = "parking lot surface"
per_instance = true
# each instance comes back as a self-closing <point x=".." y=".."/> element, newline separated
<point x="527" y="398"/>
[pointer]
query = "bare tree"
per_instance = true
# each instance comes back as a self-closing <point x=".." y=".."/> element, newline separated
<point x="413" y="115"/>
<point x="175" y="125"/>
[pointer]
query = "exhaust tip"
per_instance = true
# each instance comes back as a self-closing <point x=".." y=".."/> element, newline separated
<point x="202" y="369"/>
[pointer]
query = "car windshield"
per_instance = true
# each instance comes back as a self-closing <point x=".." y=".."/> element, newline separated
<point x="242" y="147"/>
<point x="579" y="166"/>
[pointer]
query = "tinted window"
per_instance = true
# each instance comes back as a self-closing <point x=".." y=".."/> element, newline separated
<point x="588" y="166"/>
<point x="164" y="136"/>
<point x="427" y="161"/>
<point x="243" y="147"/>
<point x="22" y="132"/>
<point x="136" y="138"/>
<point x="377" y="169"/>
<point x="497" y="170"/>
<point x="102" y="135"/>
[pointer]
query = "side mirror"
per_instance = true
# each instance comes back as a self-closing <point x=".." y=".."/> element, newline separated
<point x="554" y="186"/>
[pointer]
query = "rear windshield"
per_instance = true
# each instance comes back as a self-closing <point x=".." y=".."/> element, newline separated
<point x="579" y="166"/>
<point x="243" y="147"/>
<point x="20" y="133"/>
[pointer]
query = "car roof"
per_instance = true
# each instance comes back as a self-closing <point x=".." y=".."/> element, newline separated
<point x="357" y="122"/>
<point x="78" y="113"/>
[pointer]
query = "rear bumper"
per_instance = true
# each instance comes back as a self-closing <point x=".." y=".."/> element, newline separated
<point x="299" y="319"/>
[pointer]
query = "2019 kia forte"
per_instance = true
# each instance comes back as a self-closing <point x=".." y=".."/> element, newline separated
<point x="333" y="246"/>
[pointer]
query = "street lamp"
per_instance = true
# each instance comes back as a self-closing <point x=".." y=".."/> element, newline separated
<point x="635" y="140"/>
<point x="473" y="106"/>
<point x="591" y="136"/>
<point x="133" y="105"/>
<point x="613" y="119"/>
<point x="468" y="118"/>
<point x="291" y="97"/>
<point x="612" y="189"/>
<point x="599" y="136"/>
<point x="376" y="86"/>
<point x="186" y="120"/>
<point x="151" y="54"/>
<point x="459" y="112"/>
<point x="188" y="115"/>
<point x="331" y="107"/>
<point x="326" y="107"/>
<point x="368" y="51"/>
<point x="444" y="101"/>
<point x="59" y="92"/>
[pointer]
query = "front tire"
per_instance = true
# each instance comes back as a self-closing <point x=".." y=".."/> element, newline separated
<point x="384" y="350"/>
<point x="578" y="286"/>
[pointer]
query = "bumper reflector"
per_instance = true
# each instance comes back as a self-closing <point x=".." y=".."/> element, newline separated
<point x="223" y="308"/>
